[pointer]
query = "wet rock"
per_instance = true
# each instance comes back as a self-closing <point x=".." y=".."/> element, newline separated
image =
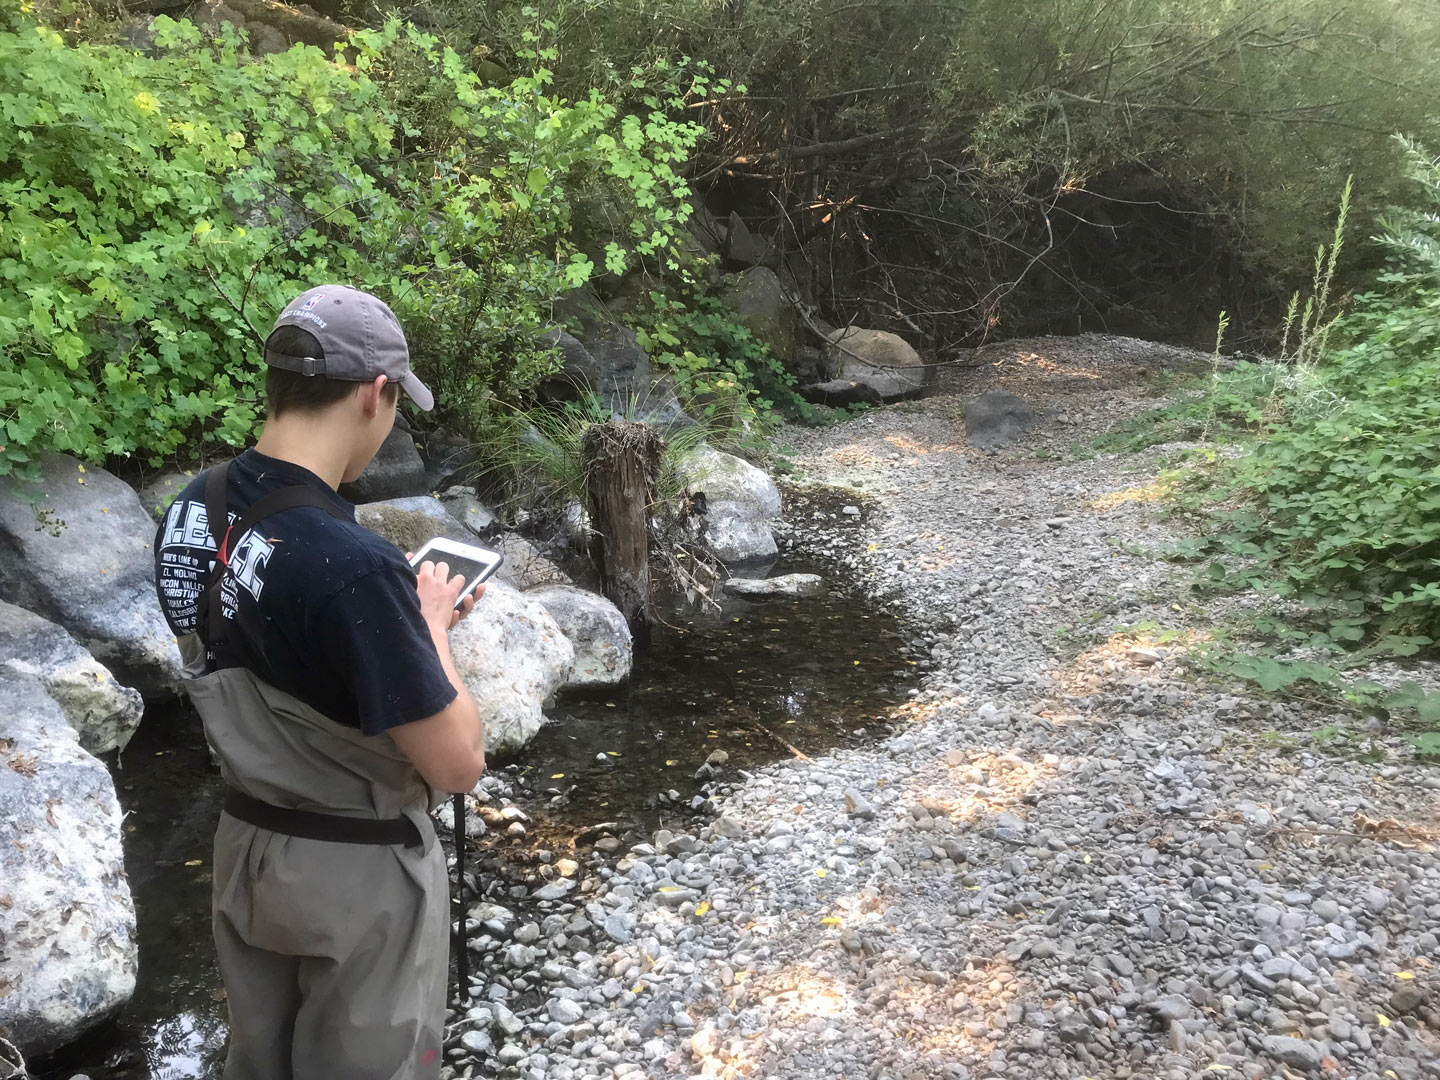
<point x="785" y="585"/>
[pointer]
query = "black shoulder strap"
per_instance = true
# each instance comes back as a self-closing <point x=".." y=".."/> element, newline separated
<point x="222" y="531"/>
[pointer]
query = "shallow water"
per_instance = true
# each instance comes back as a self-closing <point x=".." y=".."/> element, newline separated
<point x="758" y="681"/>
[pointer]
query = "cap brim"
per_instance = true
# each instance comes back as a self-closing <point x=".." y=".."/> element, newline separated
<point x="418" y="392"/>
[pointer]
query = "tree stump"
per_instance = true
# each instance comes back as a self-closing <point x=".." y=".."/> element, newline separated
<point x="621" y="461"/>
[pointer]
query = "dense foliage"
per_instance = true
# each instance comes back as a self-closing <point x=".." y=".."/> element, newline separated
<point x="1006" y="165"/>
<point x="1343" y="496"/>
<point x="158" y="208"/>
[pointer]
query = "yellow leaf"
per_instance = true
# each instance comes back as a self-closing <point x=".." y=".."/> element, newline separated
<point x="1087" y="859"/>
<point x="557" y="776"/>
<point x="637" y="988"/>
<point x="702" y="907"/>
<point x="972" y="888"/>
<point x="146" y="102"/>
<point x="192" y="862"/>
<point x="613" y="753"/>
<point x="831" y="920"/>
<point x="82" y="467"/>
<point x="819" y="873"/>
<point x="670" y="761"/>
<point x="1384" y="1020"/>
<point x="1404" y="974"/>
<point x="669" y="888"/>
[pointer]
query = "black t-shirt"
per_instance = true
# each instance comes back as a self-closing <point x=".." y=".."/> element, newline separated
<point x="327" y="610"/>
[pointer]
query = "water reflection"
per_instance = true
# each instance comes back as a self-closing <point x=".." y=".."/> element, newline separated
<point x="185" y="1047"/>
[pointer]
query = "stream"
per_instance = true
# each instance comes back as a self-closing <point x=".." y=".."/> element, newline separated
<point x="741" y="687"/>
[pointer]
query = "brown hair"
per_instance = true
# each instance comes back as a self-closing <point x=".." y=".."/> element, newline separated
<point x="290" y="391"/>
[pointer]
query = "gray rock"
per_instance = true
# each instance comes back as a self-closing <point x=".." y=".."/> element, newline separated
<point x="857" y="806"/>
<point x="396" y="471"/>
<point x="868" y="366"/>
<point x="477" y="1042"/>
<point x="758" y="302"/>
<point x="103" y="713"/>
<point x="557" y="889"/>
<point x="597" y="631"/>
<point x="524" y="567"/>
<point x="462" y="505"/>
<point x="409" y="522"/>
<point x="512" y="656"/>
<point x="742" y="502"/>
<point x="66" y="918"/>
<point x="741" y="247"/>
<point x="1297" y="1053"/>
<point x="785" y="585"/>
<point x="158" y="493"/>
<point x="87" y="563"/>
<point x="1328" y="910"/>
<point x="997" y="418"/>
<point x="565" y="1011"/>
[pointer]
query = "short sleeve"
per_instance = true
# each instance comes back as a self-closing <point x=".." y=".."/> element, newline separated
<point x="378" y="644"/>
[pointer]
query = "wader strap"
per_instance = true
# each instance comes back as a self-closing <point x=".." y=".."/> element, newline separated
<point x="309" y="825"/>
<point x="462" y="954"/>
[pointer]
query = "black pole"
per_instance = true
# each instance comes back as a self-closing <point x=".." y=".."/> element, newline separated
<point x="462" y="950"/>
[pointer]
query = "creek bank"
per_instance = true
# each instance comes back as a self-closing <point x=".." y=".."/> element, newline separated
<point x="1071" y="861"/>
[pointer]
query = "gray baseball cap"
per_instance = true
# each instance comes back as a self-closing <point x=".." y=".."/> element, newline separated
<point x="359" y="335"/>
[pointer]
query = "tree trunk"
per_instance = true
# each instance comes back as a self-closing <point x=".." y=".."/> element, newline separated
<point x="620" y="462"/>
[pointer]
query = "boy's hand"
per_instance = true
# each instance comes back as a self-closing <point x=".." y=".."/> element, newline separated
<point x="438" y="593"/>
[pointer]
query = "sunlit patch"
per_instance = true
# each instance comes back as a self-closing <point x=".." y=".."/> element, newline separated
<point x="1149" y="493"/>
<point x="1123" y="656"/>
<point x="910" y="443"/>
<point x="1043" y="363"/>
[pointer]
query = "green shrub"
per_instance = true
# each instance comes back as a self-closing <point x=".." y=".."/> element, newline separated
<point x="155" y="207"/>
<point x="1342" y="502"/>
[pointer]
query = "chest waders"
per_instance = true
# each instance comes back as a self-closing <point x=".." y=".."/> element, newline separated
<point x="330" y="896"/>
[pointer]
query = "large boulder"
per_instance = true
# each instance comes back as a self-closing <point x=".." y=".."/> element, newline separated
<point x="396" y="470"/>
<point x="997" y="418"/>
<point x="867" y="367"/>
<point x="597" y="630"/>
<point x="758" y="302"/>
<point x="741" y="502"/>
<point x="513" y="656"/>
<point x="67" y="922"/>
<point x="82" y="557"/>
<point x="103" y="713"/>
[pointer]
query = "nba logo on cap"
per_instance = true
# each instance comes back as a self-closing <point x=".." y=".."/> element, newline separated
<point x="310" y="304"/>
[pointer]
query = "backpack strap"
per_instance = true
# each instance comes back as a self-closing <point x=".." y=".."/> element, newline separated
<point x="223" y="531"/>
